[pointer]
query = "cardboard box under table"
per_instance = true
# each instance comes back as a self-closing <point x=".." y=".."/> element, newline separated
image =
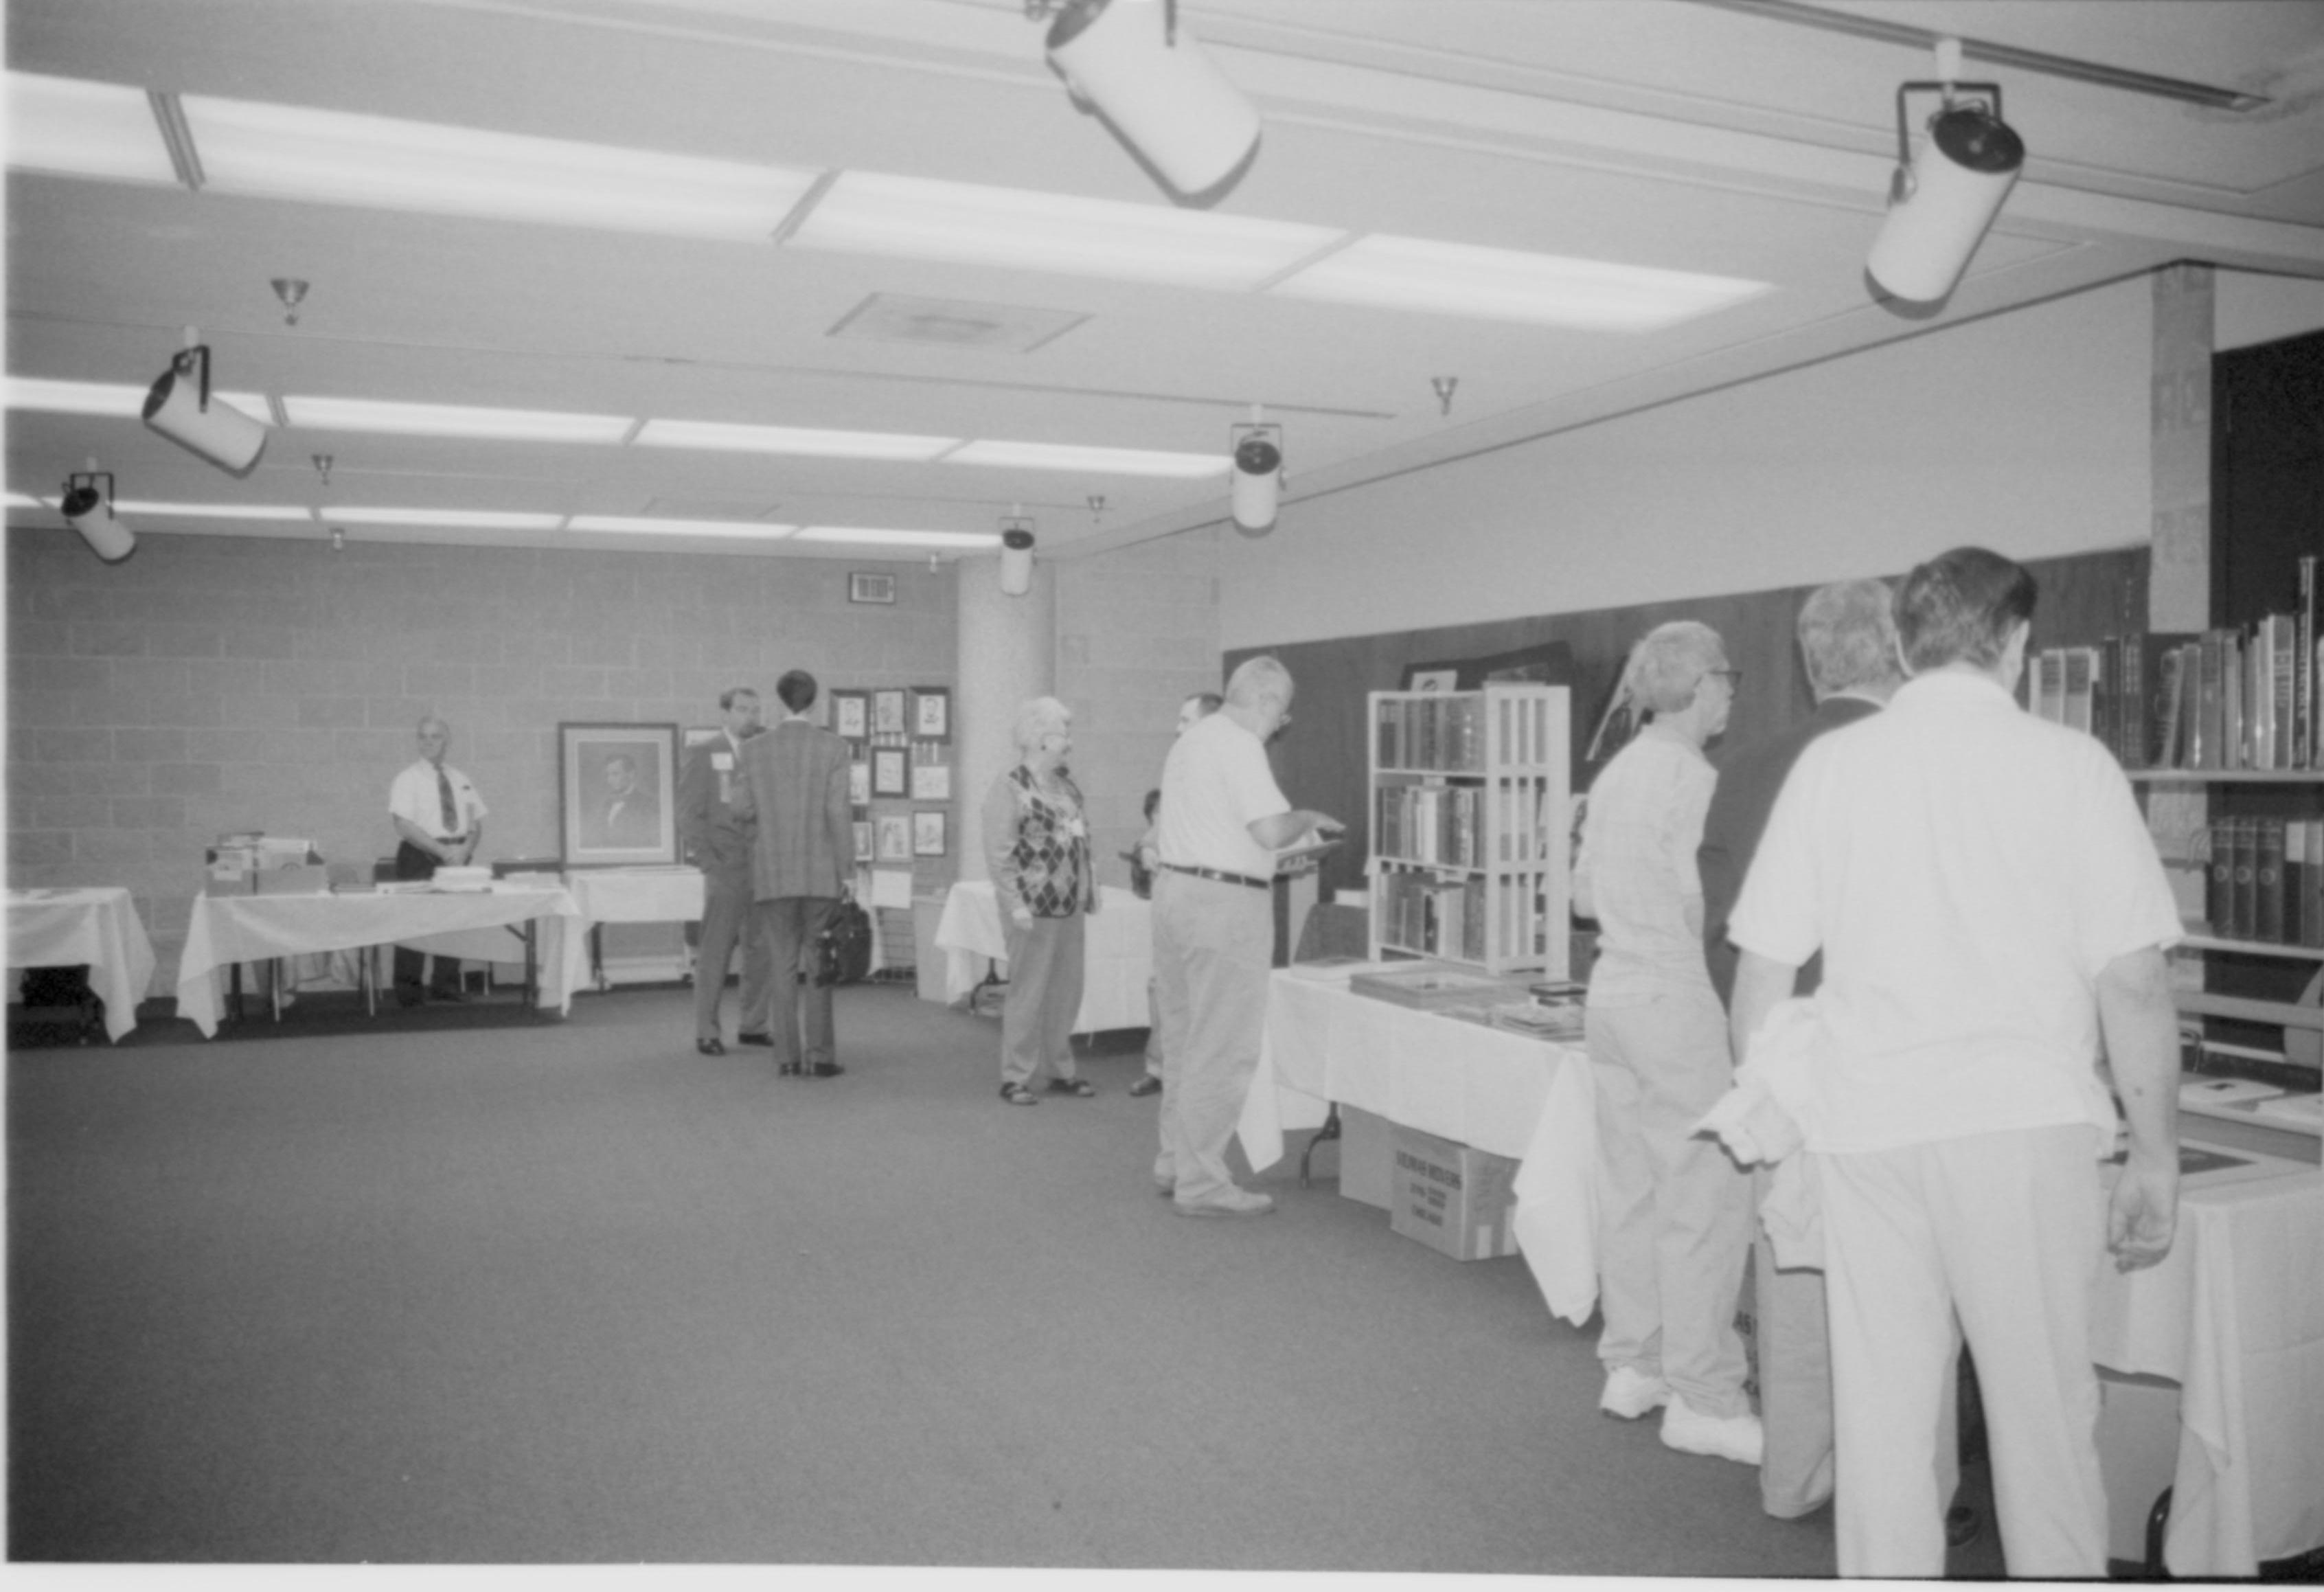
<point x="1457" y="1199"/>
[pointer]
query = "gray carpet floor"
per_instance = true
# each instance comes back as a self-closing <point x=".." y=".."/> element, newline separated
<point x="568" y="1292"/>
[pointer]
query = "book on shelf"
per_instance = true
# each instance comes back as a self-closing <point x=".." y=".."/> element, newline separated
<point x="2307" y="728"/>
<point x="2079" y="686"/>
<point x="2267" y="880"/>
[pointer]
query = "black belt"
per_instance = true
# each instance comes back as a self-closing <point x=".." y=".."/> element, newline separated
<point x="1224" y="876"/>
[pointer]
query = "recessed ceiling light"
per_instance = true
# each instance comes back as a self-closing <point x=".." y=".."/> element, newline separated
<point x="790" y="439"/>
<point x="218" y="510"/>
<point x="332" y="157"/>
<point x="1511" y="284"/>
<point x="122" y="400"/>
<point x="448" y="420"/>
<point x="972" y="224"/>
<point x="1104" y="461"/>
<point x="897" y="538"/>
<point x="81" y="129"/>
<point x="483" y="519"/>
<point x="650" y="526"/>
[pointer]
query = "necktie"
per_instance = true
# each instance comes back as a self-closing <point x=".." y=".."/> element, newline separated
<point x="451" y="808"/>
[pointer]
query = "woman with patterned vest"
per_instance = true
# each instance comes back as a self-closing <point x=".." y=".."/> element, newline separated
<point x="1036" y="847"/>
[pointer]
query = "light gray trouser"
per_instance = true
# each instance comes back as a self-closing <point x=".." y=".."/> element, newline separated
<point x="1045" y="993"/>
<point x="1213" y="946"/>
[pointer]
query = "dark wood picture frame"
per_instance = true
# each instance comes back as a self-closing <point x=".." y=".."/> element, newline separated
<point x="891" y="772"/>
<point x="931" y="713"/>
<point x="597" y="763"/>
<point x="850" y="714"/>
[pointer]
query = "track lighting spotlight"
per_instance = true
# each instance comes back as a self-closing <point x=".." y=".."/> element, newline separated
<point x="1016" y="557"/>
<point x="1258" y="476"/>
<point x="89" y="512"/>
<point x="181" y="407"/>
<point x="1132" y="62"/>
<point x="1949" y="185"/>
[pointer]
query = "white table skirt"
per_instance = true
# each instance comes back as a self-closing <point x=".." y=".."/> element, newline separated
<point x="99" y="927"/>
<point x="1118" y="960"/>
<point x="225" y="930"/>
<point x="1506" y="1093"/>
<point x="2235" y="1315"/>
<point x="615" y="895"/>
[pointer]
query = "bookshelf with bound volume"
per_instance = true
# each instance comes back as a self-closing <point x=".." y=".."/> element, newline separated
<point x="1467" y="812"/>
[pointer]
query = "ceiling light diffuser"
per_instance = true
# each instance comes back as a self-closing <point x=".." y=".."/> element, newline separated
<point x="649" y="526"/>
<point x="122" y="400"/>
<point x="448" y="420"/>
<point x="1511" y="284"/>
<point x="80" y="129"/>
<point x="970" y="224"/>
<point x="897" y="538"/>
<point x="483" y="519"/>
<point x="218" y="510"/>
<point x="332" y="157"/>
<point x="791" y="440"/>
<point x="1101" y="461"/>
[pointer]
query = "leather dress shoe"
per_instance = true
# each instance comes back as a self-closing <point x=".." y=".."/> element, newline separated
<point x="753" y="1039"/>
<point x="449" y="997"/>
<point x="821" y="1070"/>
<point x="1149" y="1084"/>
<point x="788" y="1069"/>
<point x="710" y="1048"/>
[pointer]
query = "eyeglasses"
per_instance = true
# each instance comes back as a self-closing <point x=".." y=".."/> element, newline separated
<point x="1734" y="677"/>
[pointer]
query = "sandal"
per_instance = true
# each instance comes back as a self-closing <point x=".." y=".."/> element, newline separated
<point x="1016" y="1094"/>
<point x="1081" y="1088"/>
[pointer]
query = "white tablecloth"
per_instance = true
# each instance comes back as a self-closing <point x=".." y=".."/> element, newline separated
<point x="613" y="894"/>
<point x="230" y="929"/>
<point x="1118" y="953"/>
<point x="99" y="927"/>
<point x="1502" y="1092"/>
<point x="2235" y="1315"/>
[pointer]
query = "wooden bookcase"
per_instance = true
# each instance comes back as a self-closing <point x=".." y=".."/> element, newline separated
<point x="1467" y="798"/>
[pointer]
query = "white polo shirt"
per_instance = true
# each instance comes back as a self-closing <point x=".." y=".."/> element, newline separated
<point x="1968" y="870"/>
<point x="1216" y="784"/>
<point x="414" y="795"/>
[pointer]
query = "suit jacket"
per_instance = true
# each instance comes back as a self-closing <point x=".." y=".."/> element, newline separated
<point x="1749" y="781"/>
<point x="635" y="820"/>
<point x="793" y="789"/>
<point x="709" y="835"/>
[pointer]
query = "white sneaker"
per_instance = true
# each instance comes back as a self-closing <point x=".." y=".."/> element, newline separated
<point x="1735" y="1437"/>
<point x="1630" y="1392"/>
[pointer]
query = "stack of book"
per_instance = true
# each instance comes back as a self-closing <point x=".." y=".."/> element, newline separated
<point x="2264" y="879"/>
<point x="1446" y="733"/>
<point x="1434" y="916"/>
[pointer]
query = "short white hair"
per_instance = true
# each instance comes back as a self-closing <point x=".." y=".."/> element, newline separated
<point x="1040" y="716"/>
<point x="1669" y="662"/>
<point x="1255" y="678"/>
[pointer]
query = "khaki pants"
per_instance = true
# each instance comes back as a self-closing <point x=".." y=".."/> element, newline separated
<point x="1213" y="945"/>
<point x="1045" y="993"/>
<point x="2005" y="1230"/>
<point x="1674" y="1212"/>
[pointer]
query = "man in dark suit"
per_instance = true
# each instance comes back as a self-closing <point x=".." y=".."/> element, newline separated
<point x="794" y="790"/>
<point x="1848" y="641"/>
<point x="629" y="818"/>
<point x="713" y="839"/>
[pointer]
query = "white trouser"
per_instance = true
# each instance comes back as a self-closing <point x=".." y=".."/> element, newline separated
<point x="2006" y="1231"/>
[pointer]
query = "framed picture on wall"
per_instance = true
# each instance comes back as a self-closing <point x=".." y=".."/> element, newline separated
<point x="931" y="713"/>
<point x="863" y="840"/>
<point x="931" y="782"/>
<point x="888" y="711"/>
<point x="617" y="794"/>
<point x="895" y="838"/>
<point x="859" y="785"/>
<point x="865" y="586"/>
<point x="891" y="773"/>
<point x="851" y="714"/>
<point x="928" y="834"/>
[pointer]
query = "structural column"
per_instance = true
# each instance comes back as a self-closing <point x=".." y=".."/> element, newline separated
<point x="2179" y="577"/>
<point x="1007" y="654"/>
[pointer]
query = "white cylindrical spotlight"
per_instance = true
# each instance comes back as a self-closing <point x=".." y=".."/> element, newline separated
<point x="1257" y="477"/>
<point x="1017" y="558"/>
<point x="1960" y="169"/>
<point x="89" y="512"/>
<point x="181" y="407"/>
<point x="1144" y="73"/>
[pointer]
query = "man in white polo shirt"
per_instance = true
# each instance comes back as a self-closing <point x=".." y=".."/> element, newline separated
<point x="1989" y="908"/>
<point x="1224" y="818"/>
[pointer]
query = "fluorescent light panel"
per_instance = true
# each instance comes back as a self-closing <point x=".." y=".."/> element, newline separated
<point x="970" y="224"/>
<point x="483" y="519"/>
<point x="897" y="538"/>
<point x="648" y="526"/>
<point x="217" y="510"/>
<point x="1510" y="284"/>
<point x="332" y="157"/>
<point x="789" y="439"/>
<point x="447" y="419"/>
<point x="1103" y="461"/>
<point x="18" y="500"/>
<point x="117" y="398"/>
<point x="75" y="128"/>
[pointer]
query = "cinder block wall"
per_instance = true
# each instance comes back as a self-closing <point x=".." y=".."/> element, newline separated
<point x="1137" y="633"/>
<point x="221" y="683"/>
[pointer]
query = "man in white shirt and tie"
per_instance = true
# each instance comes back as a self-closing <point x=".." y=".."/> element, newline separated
<point x="440" y="819"/>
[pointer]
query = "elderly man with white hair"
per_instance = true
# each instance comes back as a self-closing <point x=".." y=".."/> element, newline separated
<point x="1222" y="820"/>
<point x="1674" y="1212"/>
<point x="1036" y="848"/>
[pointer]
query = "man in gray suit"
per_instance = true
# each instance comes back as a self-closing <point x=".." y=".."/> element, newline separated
<point x="794" y="788"/>
<point x="717" y="842"/>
